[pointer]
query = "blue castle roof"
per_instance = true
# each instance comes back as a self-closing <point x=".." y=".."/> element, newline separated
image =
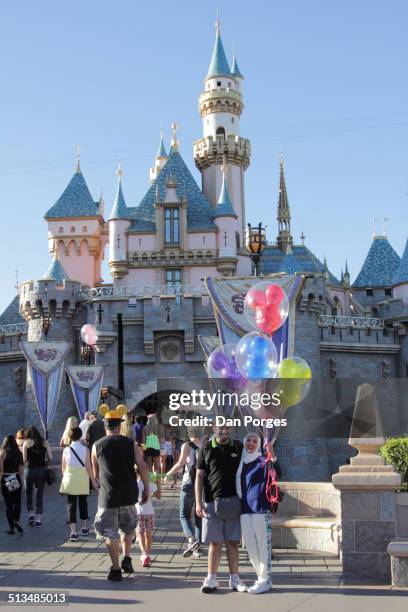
<point x="235" y="71"/>
<point x="76" y="201"/>
<point x="56" y="272"/>
<point x="120" y="210"/>
<point x="401" y="273"/>
<point x="161" y="151"/>
<point x="11" y="314"/>
<point x="200" y="214"/>
<point x="301" y="260"/>
<point x="224" y="207"/>
<point x="219" y="64"/>
<point x="379" y="266"/>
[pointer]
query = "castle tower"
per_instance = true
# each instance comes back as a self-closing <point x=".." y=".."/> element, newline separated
<point x="76" y="231"/>
<point x="220" y="107"/>
<point x="160" y="159"/>
<point x="57" y="297"/>
<point x="225" y="219"/>
<point x="119" y="221"/>
<point x="284" y="239"/>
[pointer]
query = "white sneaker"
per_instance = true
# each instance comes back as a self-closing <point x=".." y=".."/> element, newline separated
<point x="209" y="585"/>
<point x="197" y="553"/>
<point x="260" y="586"/>
<point x="191" y="548"/>
<point x="238" y="585"/>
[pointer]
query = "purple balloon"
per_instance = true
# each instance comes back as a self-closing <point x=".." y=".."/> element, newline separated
<point x="222" y="364"/>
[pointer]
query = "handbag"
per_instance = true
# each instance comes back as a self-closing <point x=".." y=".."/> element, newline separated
<point x="11" y="482"/>
<point x="49" y="476"/>
<point x="227" y="508"/>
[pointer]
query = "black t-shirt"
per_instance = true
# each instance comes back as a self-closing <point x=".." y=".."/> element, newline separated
<point x="95" y="431"/>
<point x="220" y="464"/>
<point x="117" y="477"/>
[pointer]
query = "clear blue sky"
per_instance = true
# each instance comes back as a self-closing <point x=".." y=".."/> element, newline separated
<point x="325" y="81"/>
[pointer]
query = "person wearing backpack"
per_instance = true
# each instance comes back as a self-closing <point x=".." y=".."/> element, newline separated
<point x="252" y="478"/>
<point x="76" y="473"/>
<point x="187" y="464"/>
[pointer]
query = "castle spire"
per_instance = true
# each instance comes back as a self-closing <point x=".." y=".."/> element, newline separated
<point x="161" y="151"/>
<point x="119" y="210"/>
<point x="284" y="239"/>
<point x="219" y="64"/>
<point x="174" y="142"/>
<point x="235" y="71"/>
<point x="78" y="162"/>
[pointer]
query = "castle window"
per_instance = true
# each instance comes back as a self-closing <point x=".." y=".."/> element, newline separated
<point x="218" y="83"/>
<point x="229" y="84"/>
<point x="220" y="132"/>
<point x="171" y="226"/>
<point x="369" y="292"/>
<point x="72" y="230"/>
<point x="60" y="230"/>
<point x="232" y="119"/>
<point x="173" y="277"/>
<point x="84" y="229"/>
<point x="388" y="292"/>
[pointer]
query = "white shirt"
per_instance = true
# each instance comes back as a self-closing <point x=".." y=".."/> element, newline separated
<point x="69" y="456"/>
<point x="146" y="508"/>
<point x="84" y="426"/>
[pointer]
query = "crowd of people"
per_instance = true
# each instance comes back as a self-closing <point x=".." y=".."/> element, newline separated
<point x="224" y="495"/>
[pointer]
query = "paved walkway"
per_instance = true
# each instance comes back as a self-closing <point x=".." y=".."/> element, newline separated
<point x="44" y="560"/>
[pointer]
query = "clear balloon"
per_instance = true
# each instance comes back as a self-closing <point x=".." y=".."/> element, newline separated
<point x="256" y="356"/>
<point x="294" y="377"/>
<point x="222" y="364"/>
<point x="89" y="334"/>
<point x="266" y="306"/>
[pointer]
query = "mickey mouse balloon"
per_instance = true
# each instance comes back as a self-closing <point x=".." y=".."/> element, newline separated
<point x="266" y="307"/>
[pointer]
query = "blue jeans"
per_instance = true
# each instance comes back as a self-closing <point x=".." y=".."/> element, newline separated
<point x="187" y="500"/>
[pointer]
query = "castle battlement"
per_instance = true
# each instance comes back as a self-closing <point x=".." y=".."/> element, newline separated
<point x="47" y="296"/>
<point x="209" y="151"/>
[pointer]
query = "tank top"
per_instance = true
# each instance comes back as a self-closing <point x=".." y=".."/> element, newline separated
<point x="138" y="429"/>
<point x="117" y="477"/>
<point x="35" y="457"/>
<point x="152" y="441"/>
<point x="12" y="462"/>
<point x="190" y="462"/>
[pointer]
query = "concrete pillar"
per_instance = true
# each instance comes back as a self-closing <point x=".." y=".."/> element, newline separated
<point x="368" y="512"/>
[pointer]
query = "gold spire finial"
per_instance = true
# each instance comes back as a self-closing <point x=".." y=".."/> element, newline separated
<point x="119" y="170"/>
<point x="218" y="23"/>
<point x="78" y="158"/>
<point x="174" y="142"/>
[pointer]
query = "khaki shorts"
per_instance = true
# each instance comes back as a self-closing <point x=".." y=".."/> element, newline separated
<point x="110" y="522"/>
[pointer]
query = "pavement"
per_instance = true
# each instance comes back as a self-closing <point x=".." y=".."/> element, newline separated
<point x="43" y="560"/>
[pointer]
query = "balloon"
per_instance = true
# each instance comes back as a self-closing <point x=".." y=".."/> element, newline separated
<point x="256" y="356"/>
<point x="222" y="364"/>
<point x="295" y="377"/>
<point x="266" y="306"/>
<point x="89" y="335"/>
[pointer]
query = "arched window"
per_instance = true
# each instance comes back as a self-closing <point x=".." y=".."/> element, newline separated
<point x="72" y="230"/>
<point x="61" y="230"/>
<point x="220" y="132"/>
<point x="171" y="226"/>
<point x="84" y="229"/>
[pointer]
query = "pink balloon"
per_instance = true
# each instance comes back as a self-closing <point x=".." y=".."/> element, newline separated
<point x="89" y="334"/>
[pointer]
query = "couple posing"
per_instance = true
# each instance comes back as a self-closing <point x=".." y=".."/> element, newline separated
<point x="233" y="477"/>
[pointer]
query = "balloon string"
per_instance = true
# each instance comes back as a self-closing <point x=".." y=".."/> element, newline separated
<point x="272" y="490"/>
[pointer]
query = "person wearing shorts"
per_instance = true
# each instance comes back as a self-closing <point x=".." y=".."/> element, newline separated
<point x="113" y="462"/>
<point x="217" y="465"/>
<point x="145" y="520"/>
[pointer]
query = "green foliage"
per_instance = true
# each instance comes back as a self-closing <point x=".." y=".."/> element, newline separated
<point x="395" y="451"/>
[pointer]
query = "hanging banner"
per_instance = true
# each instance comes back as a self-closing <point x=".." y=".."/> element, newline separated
<point x="45" y="362"/>
<point x="86" y="384"/>
<point x="227" y="296"/>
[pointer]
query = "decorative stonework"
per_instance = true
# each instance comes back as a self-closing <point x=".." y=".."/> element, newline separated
<point x="233" y="149"/>
<point x="172" y="256"/>
<point x="169" y="350"/>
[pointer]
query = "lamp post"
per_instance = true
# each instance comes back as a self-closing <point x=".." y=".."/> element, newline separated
<point x="46" y="323"/>
<point x="255" y="242"/>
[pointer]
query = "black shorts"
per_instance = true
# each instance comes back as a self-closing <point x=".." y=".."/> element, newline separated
<point x="152" y="452"/>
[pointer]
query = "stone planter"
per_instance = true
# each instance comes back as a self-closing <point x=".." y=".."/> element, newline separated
<point x="402" y="514"/>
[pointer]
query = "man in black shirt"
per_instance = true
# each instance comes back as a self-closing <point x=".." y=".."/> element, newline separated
<point x="113" y="462"/>
<point x="217" y="465"/>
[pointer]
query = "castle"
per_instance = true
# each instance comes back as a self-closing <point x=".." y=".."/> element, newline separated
<point x="158" y="254"/>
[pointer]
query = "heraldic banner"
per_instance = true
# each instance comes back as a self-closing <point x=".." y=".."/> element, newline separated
<point x="86" y="383"/>
<point x="227" y="296"/>
<point x="45" y="362"/>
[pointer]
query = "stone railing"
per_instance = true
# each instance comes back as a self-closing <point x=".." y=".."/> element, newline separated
<point x="141" y="292"/>
<point x="357" y="322"/>
<point x="13" y="328"/>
